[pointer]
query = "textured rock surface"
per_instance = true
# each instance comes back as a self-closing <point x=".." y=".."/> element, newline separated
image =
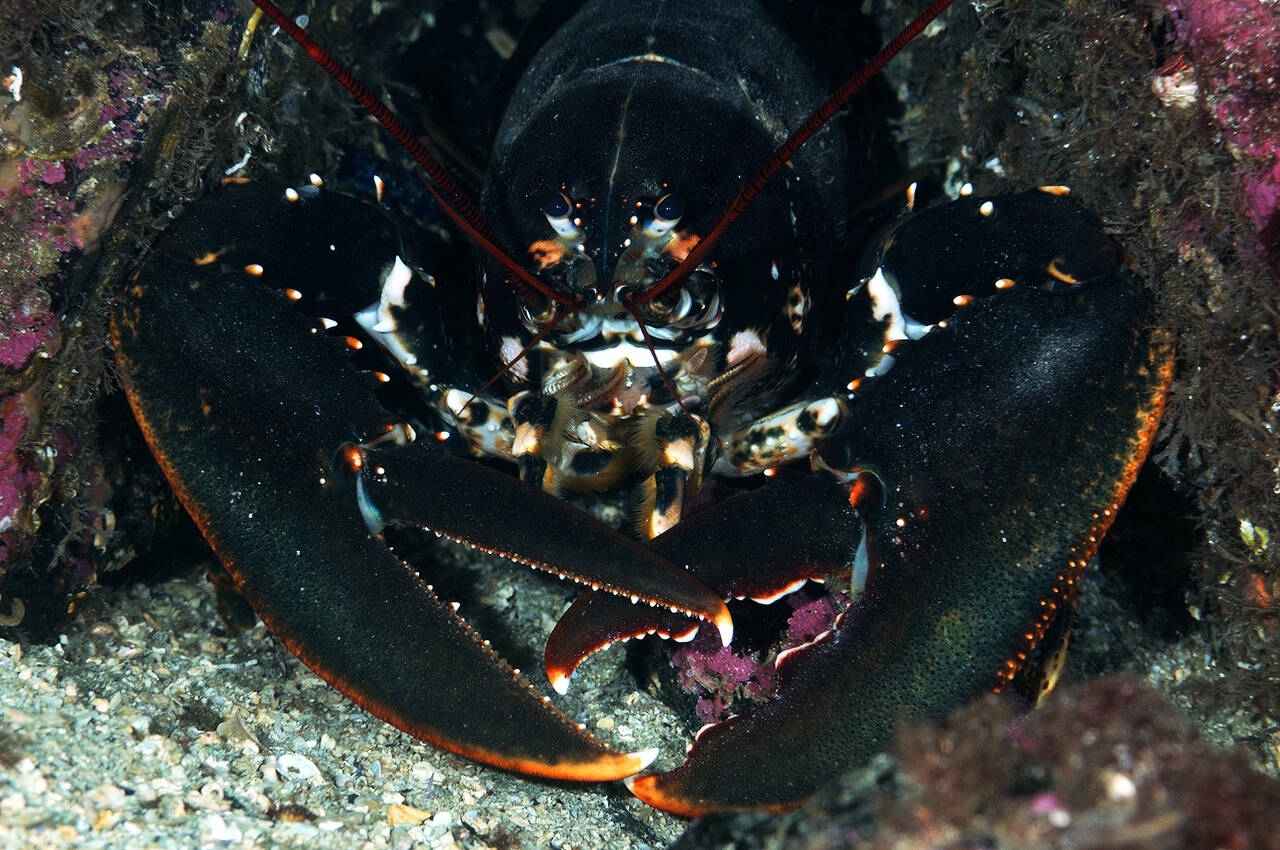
<point x="1105" y="764"/>
<point x="150" y="725"/>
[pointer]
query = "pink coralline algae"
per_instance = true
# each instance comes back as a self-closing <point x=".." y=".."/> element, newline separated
<point x="16" y="476"/>
<point x="1235" y="45"/>
<point x="24" y="335"/>
<point x="60" y="189"/>
<point x="46" y="210"/>
<point x="726" y="681"/>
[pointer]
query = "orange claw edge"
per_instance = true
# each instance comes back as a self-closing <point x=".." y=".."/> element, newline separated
<point x="606" y="768"/>
<point x="649" y="789"/>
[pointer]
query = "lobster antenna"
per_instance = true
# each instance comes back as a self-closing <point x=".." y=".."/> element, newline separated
<point x="452" y="199"/>
<point x="802" y="134"/>
<point x="520" y="283"/>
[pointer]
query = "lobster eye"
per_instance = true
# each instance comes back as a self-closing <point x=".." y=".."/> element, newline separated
<point x="559" y="212"/>
<point x="557" y="206"/>
<point x="669" y="209"/>
<point x="666" y="215"/>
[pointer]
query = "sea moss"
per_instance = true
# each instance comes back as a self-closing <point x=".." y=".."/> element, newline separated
<point x="108" y="112"/>
<point x="1104" y="764"/>
<point x="1037" y="93"/>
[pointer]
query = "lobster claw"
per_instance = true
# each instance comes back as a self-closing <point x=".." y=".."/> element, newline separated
<point x="1003" y="443"/>
<point x="269" y="436"/>
<point x="735" y="548"/>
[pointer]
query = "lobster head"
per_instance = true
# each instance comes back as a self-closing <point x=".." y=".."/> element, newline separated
<point x="602" y="201"/>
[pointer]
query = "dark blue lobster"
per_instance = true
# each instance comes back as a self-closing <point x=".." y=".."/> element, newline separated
<point x="971" y="425"/>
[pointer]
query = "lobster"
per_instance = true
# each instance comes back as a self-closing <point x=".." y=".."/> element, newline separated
<point x="965" y="430"/>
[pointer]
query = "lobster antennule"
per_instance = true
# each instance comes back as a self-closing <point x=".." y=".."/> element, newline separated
<point x="443" y="187"/>
<point x="794" y="142"/>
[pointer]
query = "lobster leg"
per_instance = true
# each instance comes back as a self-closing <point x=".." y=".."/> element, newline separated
<point x="258" y="421"/>
<point x="972" y="547"/>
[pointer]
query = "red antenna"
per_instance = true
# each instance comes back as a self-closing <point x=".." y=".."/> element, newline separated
<point x="452" y="199"/>
<point x="802" y="134"/>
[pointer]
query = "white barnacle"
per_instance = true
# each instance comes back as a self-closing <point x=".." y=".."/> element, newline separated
<point x="743" y="344"/>
<point x="510" y="350"/>
<point x="378" y="319"/>
<point x="13" y="83"/>
<point x="392" y="295"/>
<point x="234" y="167"/>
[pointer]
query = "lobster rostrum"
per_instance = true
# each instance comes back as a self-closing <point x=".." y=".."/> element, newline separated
<point x="996" y="382"/>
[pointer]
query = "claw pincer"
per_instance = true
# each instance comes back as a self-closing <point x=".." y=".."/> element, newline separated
<point x="264" y="430"/>
<point x="1003" y="442"/>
